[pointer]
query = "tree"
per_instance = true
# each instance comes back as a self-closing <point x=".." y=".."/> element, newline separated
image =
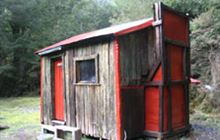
<point x="130" y="10"/>
<point x="28" y="25"/>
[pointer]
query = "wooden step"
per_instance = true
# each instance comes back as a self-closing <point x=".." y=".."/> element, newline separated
<point x="58" y="132"/>
<point x="76" y="132"/>
<point x="57" y="122"/>
<point x="47" y="128"/>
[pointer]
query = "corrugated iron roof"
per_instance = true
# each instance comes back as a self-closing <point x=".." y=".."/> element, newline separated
<point x="116" y="30"/>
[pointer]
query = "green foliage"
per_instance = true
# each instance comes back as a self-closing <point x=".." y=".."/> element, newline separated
<point x="192" y="7"/>
<point x="205" y="49"/>
<point x="130" y="10"/>
<point x="28" y="25"/>
<point x="205" y="42"/>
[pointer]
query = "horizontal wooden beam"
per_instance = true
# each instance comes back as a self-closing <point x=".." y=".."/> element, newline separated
<point x="153" y="83"/>
<point x="176" y="42"/>
<point x="154" y="134"/>
<point x="170" y="83"/>
<point x="159" y="83"/>
<point x="167" y="134"/>
<point x="177" y="82"/>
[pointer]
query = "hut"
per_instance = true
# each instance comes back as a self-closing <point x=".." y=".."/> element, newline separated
<point x="125" y="81"/>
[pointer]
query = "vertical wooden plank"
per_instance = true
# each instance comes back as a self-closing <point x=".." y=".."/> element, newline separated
<point x="42" y="74"/>
<point x="78" y="110"/>
<point x="83" y="96"/>
<point x="96" y="119"/>
<point x="48" y="91"/>
<point x="108" y="91"/>
<point x="169" y="86"/>
<point x="86" y="109"/>
<point x="72" y="97"/>
<point x="112" y="97"/>
<point x="63" y="57"/>
<point x="161" y="109"/>
<point x="117" y="91"/>
<point x="185" y="85"/>
<point x="45" y="87"/>
<point x="159" y="44"/>
<point x="188" y="71"/>
<point x="66" y="87"/>
<point x="105" y="77"/>
<point x="86" y="94"/>
<point x="89" y="109"/>
<point x="91" y="104"/>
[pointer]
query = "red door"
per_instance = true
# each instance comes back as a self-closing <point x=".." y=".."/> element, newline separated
<point x="58" y="90"/>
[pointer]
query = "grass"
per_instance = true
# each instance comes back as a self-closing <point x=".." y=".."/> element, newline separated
<point x="22" y="116"/>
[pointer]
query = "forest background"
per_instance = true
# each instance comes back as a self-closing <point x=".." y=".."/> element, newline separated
<point x="28" y="25"/>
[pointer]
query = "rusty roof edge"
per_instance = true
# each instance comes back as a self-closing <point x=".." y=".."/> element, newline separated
<point x="45" y="51"/>
<point x="55" y="47"/>
<point x="58" y="48"/>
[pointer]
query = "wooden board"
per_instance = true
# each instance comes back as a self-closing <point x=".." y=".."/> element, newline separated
<point x="47" y="99"/>
<point x="95" y="104"/>
<point x="133" y="111"/>
<point x="138" y="56"/>
<point x="89" y="107"/>
<point x="69" y="89"/>
<point x="172" y="76"/>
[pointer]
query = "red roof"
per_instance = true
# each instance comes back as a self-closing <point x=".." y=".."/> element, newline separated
<point x="116" y="30"/>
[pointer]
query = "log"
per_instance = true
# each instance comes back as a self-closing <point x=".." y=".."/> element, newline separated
<point x="2" y="127"/>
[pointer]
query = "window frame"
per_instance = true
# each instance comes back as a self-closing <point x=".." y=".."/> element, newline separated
<point x="94" y="57"/>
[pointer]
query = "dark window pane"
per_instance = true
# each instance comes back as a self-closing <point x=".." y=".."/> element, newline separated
<point x="86" y="71"/>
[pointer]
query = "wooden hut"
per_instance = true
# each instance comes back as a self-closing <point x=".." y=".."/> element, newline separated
<point x="125" y="81"/>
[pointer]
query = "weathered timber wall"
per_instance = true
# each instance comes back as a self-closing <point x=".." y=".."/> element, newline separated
<point x="47" y="108"/>
<point x="89" y="107"/>
<point x="133" y="111"/>
<point x="138" y="55"/>
<point x="95" y="104"/>
<point x="69" y="88"/>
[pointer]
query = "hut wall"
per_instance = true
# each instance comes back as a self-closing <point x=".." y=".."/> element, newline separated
<point x="69" y="88"/>
<point x="91" y="107"/>
<point x="46" y="88"/>
<point x="94" y="104"/>
<point x="138" y="55"/>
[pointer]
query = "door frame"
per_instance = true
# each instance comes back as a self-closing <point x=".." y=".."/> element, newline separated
<point x="52" y="58"/>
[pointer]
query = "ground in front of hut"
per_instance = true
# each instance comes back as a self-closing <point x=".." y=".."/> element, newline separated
<point x="22" y="116"/>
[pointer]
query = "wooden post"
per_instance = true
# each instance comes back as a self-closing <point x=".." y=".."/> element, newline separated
<point x="119" y="129"/>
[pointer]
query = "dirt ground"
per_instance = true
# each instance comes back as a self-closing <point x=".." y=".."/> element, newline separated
<point x="205" y="126"/>
<point x="22" y="116"/>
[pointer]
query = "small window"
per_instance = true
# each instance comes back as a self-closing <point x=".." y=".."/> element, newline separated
<point x="86" y="69"/>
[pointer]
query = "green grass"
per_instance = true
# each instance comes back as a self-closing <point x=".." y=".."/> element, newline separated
<point x="22" y="116"/>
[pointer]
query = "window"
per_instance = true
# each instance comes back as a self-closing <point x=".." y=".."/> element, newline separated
<point x="86" y="70"/>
